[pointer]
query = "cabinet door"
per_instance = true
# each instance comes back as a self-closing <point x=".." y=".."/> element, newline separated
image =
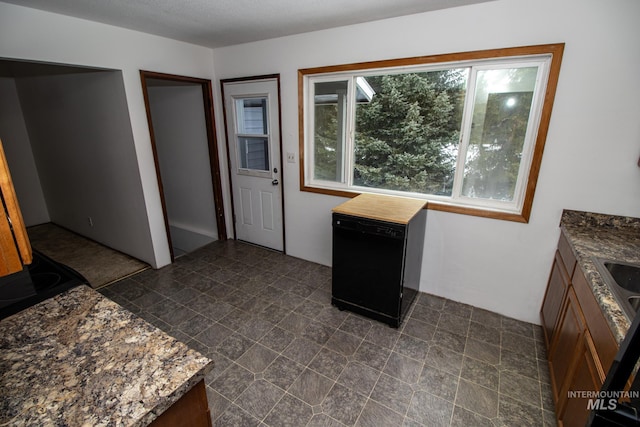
<point x="566" y="345"/>
<point x="15" y="249"/>
<point x="554" y="298"/>
<point x="587" y="376"/>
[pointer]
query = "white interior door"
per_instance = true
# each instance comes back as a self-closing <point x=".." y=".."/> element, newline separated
<point x="253" y="141"/>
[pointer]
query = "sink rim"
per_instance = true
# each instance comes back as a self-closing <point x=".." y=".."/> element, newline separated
<point x="622" y="295"/>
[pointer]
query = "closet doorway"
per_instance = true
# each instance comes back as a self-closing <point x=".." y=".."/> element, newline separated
<point x="181" y="125"/>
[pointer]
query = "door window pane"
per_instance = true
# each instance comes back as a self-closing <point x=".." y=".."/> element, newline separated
<point x="253" y="153"/>
<point x="330" y="108"/>
<point x="408" y="132"/>
<point x="252" y="116"/>
<point x="502" y="104"/>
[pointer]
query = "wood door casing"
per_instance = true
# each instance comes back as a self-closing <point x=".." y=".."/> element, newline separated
<point x="214" y="161"/>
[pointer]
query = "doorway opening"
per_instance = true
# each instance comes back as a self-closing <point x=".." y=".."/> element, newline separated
<point x="181" y="125"/>
<point x="68" y="139"/>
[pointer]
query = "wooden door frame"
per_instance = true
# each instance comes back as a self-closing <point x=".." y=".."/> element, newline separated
<point x="214" y="160"/>
<point x="228" y="146"/>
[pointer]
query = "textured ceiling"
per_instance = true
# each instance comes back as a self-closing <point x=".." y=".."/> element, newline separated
<point x="216" y="23"/>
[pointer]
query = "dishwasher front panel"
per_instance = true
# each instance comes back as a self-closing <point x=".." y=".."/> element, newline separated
<point x="368" y="267"/>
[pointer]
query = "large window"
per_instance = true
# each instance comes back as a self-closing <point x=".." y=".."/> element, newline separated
<point x="465" y="131"/>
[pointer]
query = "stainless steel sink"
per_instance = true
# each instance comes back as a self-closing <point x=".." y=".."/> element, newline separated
<point x="623" y="279"/>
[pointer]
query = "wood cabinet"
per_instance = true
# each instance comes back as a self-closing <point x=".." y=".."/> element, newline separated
<point x="15" y="249"/>
<point x="586" y="375"/>
<point x="580" y="344"/>
<point x="559" y="280"/>
<point x="191" y="410"/>
<point x="567" y="341"/>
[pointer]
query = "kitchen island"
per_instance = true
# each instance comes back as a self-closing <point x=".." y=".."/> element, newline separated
<point x="79" y="359"/>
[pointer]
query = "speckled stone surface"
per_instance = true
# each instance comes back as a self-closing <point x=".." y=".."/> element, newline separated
<point x="79" y="359"/>
<point x="610" y="237"/>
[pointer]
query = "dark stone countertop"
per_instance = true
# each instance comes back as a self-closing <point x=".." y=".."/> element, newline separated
<point x="79" y="359"/>
<point x="610" y="237"/>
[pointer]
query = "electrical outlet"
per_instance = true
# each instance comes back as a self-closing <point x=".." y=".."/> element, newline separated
<point x="291" y="157"/>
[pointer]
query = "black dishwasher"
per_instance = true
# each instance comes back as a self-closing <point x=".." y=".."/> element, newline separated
<point x="376" y="265"/>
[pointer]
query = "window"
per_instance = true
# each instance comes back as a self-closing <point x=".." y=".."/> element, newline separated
<point x="252" y="133"/>
<point x="465" y="131"/>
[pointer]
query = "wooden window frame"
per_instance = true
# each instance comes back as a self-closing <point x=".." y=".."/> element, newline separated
<point x="555" y="51"/>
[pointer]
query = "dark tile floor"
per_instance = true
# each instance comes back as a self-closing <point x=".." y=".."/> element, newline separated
<point x="285" y="357"/>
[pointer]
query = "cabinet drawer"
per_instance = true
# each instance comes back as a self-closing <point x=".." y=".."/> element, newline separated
<point x="555" y="295"/>
<point x="568" y="258"/>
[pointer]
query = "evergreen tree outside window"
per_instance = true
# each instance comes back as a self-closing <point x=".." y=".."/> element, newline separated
<point x="406" y="137"/>
<point x="464" y="131"/>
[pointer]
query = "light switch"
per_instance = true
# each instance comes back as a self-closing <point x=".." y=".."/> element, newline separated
<point x="291" y="157"/>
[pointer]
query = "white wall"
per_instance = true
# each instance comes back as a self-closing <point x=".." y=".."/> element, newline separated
<point x="83" y="147"/>
<point x="180" y="132"/>
<point x="17" y="148"/>
<point x="31" y="34"/>
<point x="590" y="156"/>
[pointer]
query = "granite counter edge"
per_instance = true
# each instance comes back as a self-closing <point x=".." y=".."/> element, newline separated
<point x="162" y="407"/>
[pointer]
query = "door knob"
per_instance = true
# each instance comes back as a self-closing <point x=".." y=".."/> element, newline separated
<point x="275" y="182"/>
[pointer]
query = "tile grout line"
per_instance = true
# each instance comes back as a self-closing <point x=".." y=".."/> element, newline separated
<point x="362" y="339"/>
